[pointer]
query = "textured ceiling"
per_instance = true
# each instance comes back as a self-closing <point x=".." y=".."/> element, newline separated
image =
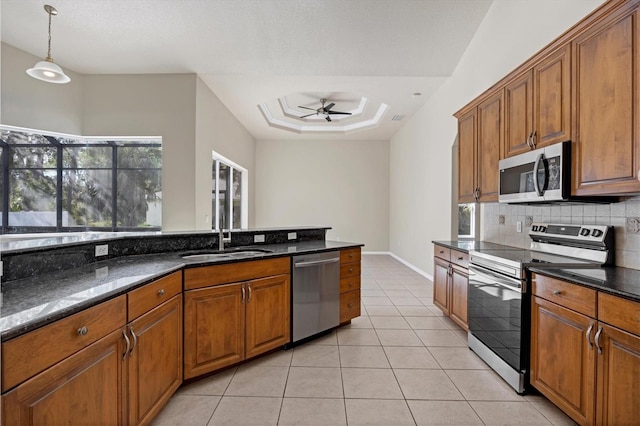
<point x="252" y="52"/>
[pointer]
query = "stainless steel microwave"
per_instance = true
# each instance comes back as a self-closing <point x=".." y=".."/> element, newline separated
<point x="540" y="175"/>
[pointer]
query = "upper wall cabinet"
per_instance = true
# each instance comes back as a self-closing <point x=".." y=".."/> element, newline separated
<point x="606" y="157"/>
<point x="538" y="105"/>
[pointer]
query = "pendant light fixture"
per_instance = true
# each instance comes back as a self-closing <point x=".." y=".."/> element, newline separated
<point x="47" y="70"/>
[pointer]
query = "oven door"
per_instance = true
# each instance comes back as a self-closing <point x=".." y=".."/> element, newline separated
<point x="498" y="316"/>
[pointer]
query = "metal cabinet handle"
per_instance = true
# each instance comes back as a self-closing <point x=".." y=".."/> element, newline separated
<point x="135" y="341"/>
<point x="124" y="334"/>
<point x="441" y="251"/>
<point x="529" y="141"/>
<point x="161" y="292"/>
<point x="350" y="269"/>
<point x="350" y="305"/>
<point x="598" y="340"/>
<point x="350" y="284"/>
<point x="243" y="294"/>
<point x="557" y="292"/>
<point x="533" y="139"/>
<point x="476" y="194"/>
<point x="460" y="258"/>
<point x="249" y="298"/>
<point x="351" y="255"/>
<point x="588" y="335"/>
<point x="82" y="331"/>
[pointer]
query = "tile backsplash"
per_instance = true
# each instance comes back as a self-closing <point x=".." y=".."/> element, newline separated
<point x="624" y="216"/>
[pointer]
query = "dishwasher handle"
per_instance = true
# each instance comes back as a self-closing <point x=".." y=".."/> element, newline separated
<point x="316" y="262"/>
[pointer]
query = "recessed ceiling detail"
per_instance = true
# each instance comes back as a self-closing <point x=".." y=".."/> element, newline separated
<point x="294" y="113"/>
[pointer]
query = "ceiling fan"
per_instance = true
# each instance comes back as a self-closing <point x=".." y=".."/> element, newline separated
<point x="326" y="110"/>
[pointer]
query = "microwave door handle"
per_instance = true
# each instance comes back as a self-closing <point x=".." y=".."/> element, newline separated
<point x="536" y="184"/>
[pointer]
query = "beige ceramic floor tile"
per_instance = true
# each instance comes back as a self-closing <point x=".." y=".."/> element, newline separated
<point x="370" y="383"/>
<point x="458" y="413"/>
<point x="394" y="323"/>
<point x="507" y="413"/>
<point x="315" y="382"/>
<point x="427" y="323"/>
<point x="312" y="412"/>
<point x="358" y="336"/>
<point x="386" y="311"/>
<point x="363" y="356"/>
<point x="390" y="284"/>
<point x="410" y="357"/>
<point x="457" y="358"/>
<point x="482" y="385"/>
<point x="245" y="411"/>
<point x="370" y="292"/>
<point x="378" y="412"/>
<point x="440" y="338"/>
<point x="376" y="301"/>
<point x="330" y="339"/>
<point x="398" y="338"/>
<point x="362" y="321"/>
<point x="415" y="311"/>
<point x="252" y="380"/>
<point x="315" y="356"/>
<point x="552" y="413"/>
<point x="211" y="385"/>
<point x="281" y="358"/>
<point x="427" y="384"/>
<point x="398" y="293"/>
<point x="406" y="301"/>
<point x="187" y="410"/>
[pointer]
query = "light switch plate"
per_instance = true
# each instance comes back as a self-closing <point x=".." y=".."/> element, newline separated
<point x="292" y="235"/>
<point x="102" y="250"/>
<point x="258" y="238"/>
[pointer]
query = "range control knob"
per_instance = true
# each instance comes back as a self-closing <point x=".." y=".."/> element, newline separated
<point x="542" y="228"/>
<point x="584" y="232"/>
<point x="534" y="228"/>
<point x="596" y="233"/>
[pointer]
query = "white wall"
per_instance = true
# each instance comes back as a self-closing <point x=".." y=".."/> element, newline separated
<point x="219" y="130"/>
<point x="339" y="183"/>
<point x="27" y="102"/>
<point x="420" y="158"/>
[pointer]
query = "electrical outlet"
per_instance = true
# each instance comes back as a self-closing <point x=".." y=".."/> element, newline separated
<point x="1" y="268"/>
<point x="102" y="250"/>
<point x="258" y="238"/>
<point x="292" y="235"/>
<point x="519" y="226"/>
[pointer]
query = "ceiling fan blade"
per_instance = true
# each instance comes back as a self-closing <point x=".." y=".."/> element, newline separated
<point x="327" y="118"/>
<point x="328" y="107"/>
<point x="312" y="109"/>
<point x="308" y="115"/>
<point x="338" y="112"/>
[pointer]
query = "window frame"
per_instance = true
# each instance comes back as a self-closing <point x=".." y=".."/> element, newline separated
<point x="472" y="221"/>
<point x="215" y="192"/>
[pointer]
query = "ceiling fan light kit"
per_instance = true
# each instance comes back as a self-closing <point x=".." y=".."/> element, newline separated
<point x="47" y="70"/>
<point x="325" y="110"/>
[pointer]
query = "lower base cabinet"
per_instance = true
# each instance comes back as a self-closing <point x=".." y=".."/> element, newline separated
<point x="450" y="283"/>
<point x="350" y="269"/>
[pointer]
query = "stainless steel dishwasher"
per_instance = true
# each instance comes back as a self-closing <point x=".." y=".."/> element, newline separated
<point x="315" y="294"/>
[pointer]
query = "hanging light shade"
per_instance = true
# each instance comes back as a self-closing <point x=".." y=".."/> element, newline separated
<point x="47" y="70"/>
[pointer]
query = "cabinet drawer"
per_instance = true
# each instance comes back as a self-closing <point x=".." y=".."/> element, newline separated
<point x="572" y="296"/>
<point x="350" y="255"/>
<point x="349" y="305"/>
<point x="442" y="252"/>
<point x="619" y="312"/>
<point x="207" y="276"/>
<point x="145" y="298"/>
<point x="350" y="270"/>
<point x="31" y="353"/>
<point x="349" y="283"/>
<point x="460" y="258"/>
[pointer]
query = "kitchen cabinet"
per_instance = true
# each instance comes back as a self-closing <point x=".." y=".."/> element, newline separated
<point x="450" y="283"/>
<point x="480" y="138"/>
<point x="586" y="361"/>
<point x="538" y="105"/>
<point x="115" y="363"/>
<point x="350" y="270"/>
<point x="234" y="312"/>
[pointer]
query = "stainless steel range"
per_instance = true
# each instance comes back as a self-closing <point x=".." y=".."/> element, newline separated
<point x="499" y="298"/>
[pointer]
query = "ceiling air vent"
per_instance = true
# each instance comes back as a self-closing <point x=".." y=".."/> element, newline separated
<point x="397" y="117"/>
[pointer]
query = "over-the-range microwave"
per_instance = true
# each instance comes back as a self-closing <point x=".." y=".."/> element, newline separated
<point x="540" y="175"/>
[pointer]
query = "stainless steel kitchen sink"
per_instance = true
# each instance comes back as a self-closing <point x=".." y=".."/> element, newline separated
<point x="232" y="254"/>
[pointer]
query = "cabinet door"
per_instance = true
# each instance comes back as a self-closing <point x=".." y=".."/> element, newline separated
<point x="467" y="137"/>
<point x="85" y="388"/>
<point x="459" y="285"/>
<point x="563" y="358"/>
<point x="213" y="328"/>
<point x="607" y="88"/>
<point x="490" y="139"/>
<point x="267" y="314"/>
<point x="552" y="99"/>
<point x="518" y="102"/>
<point x="349" y="305"/>
<point x="155" y="360"/>
<point x="618" y="377"/>
<point x="441" y="285"/>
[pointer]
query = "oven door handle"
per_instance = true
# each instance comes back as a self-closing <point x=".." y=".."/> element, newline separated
<point x="536" y="183"/>
<point x="496" y="279"/>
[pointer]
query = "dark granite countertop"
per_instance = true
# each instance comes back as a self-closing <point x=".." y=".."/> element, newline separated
<point x="468" y="245"/>
<point x="618" y="281"/>
<point x="30" y="303"/>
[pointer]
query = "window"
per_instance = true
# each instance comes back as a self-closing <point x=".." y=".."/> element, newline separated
<point x="228" y="194"/>
<point x="52" y="182"/>
<point x="466" y="220"/>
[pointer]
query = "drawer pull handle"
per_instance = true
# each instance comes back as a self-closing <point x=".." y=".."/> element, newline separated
<point x="351" y="256"/>
<point x="124" y="334"/>
<point x="460" y="258"/>
<point x="83" y="331"/>
<point x="557" y="292"/>
<point x="441" y="251"/>
<point x="243" y="291"/>
<point x="350" y="284"/>
<point x="161" y="292"/>
<point x="135" y="341"/>
<point x="350" y="269"/>
<point x="588" y="335"/>
<point x="350" y="305"/>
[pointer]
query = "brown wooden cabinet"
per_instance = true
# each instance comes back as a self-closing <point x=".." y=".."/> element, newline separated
<point x="586" y="361"/>
<point x="467" y="141"/>
<point x="450" y="283"/>
<point x="229" y="321"/>
<point x="518" y="102"/>
<point x="350" y="268"/>
<point x="606" y="80"/>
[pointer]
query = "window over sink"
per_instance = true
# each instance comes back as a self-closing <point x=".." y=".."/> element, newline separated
<point x="229" y="194"/>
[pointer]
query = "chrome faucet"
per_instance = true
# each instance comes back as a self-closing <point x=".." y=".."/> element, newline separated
<point x="222" y="239"/>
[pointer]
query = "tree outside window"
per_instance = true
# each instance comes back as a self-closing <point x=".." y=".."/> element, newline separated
<point x="466" y="220"/>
